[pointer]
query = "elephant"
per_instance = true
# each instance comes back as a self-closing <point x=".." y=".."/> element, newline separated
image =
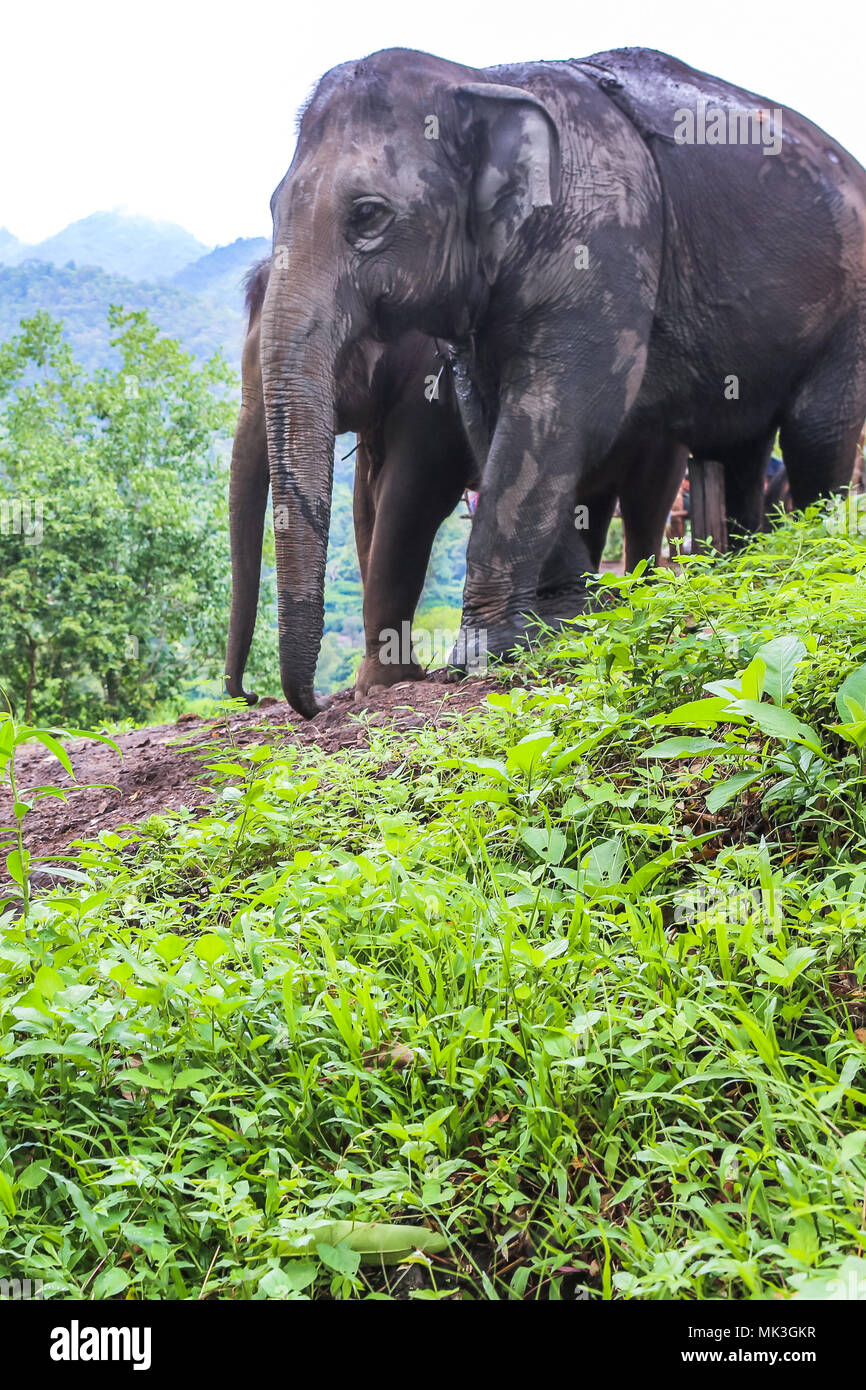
<point x="630" y="260"/>
<point x="415" y="457"/>
<point x="410" y="472"/>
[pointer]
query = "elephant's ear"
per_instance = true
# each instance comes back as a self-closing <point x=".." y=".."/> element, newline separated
<point x="514" y="148"/>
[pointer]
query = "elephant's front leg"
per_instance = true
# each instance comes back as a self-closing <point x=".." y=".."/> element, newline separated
<point x="524" y="506"/>
<point x="425" y="469"/>
<point x="562" y="587"/>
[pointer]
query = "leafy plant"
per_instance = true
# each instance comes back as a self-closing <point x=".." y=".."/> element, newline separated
<point x="113" y="580"/>
<point x="13" y="736"/>
<point x="506" y="1000"/>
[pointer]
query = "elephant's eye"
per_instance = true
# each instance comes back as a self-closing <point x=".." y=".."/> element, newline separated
<point x="368" y="219"/>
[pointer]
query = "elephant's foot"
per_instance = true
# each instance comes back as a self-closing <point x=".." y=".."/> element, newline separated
<point x="375" y="675"/>
<point x="478" y="643"/>
<point x="557" y="606"/>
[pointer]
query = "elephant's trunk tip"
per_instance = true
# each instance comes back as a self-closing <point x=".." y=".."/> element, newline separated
<point x="303" y="699"/>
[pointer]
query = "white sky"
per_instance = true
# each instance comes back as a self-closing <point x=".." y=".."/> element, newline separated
<point x="184" y="110"/>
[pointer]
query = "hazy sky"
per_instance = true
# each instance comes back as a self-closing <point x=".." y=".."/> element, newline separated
<point x="185" y="110"/>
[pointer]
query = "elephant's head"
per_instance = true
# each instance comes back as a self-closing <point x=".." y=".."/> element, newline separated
<point x="410" y="185"/>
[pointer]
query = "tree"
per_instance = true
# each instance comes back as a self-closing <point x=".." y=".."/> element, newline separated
<point x="114" y="574"/>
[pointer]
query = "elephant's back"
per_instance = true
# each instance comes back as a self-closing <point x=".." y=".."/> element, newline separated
<point x="653" y="88"/>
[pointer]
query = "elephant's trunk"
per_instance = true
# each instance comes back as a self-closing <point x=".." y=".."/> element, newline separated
<point x="298" y="382"/>
<point x="248" y="497"/>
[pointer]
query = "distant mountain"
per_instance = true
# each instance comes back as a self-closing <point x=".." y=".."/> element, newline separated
<point x="220" y="273"/>
<point x="192" y="293"/>
<point x="82" y="297"/>
<point x="135" y="247"/>
<point x="11" y="249"/>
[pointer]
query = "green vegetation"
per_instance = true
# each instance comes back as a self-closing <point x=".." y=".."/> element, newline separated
<point x="113" y="523"/>
<point x="576" y="983"/>
<point x="157" y="270"/>
<point x="114" y="548"/>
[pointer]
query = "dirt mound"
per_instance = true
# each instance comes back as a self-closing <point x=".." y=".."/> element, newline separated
<point x="161" y="767"/>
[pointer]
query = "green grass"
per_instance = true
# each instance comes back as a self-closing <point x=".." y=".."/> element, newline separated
<point x="512" y="982"/>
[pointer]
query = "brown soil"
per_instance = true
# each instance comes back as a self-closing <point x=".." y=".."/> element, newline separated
<point x="159" y="769"/>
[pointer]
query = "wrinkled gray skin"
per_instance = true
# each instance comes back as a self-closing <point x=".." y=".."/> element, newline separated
<point x="413" y="462"/>
<point x="704" y="262"/>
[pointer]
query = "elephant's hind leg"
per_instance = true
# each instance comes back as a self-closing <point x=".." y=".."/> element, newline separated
<point x="562" y="591"/>
<point x="745" y="469"/>
<point x="820" y="430"/>
<point x="425" y="470"/>
<point x="650" y="483"/>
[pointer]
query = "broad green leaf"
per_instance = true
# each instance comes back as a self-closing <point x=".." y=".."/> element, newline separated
<point x="169" y="947"/>
<point x="342" y="1259"/>
<point x="74" y="875"/>
<point x="7" y="735"/>
<point x="774" y="968"/>
<point x="48" y="982"/>
<point x="51" y="743"/>
<point x="604" y="862"/>
<point x="752" y="679"/>
<point x="700" y="714"/>
<point x="138" y="1078"/>
<point x="688" y="748"/>
<point x="780" y="723"/>
<point x="15" y="866"/>
<point x="780" y="657"/>
<point x="7" y="1199"/>
<point x="525" y="755"/>
<point x="83" y="733"/>
<point x="110" y="1283"/>
<point x="190" y="1076"/>
<point x="299" y="1274"/>
<point x="294" y="1278"/>
<point x="33" y="1175"/>
<point x="584" y="1021"/>
<point x="727" y="790"/>
<point x="796" y="961"/>
<point x="49" y="1047"/>
<point x="376" y="1241"/>
<point x="851" y="733"/>
<point x="210" y="948"/>
<point x="803" y="1240"/>
<point x="852" y="1146"/>
<point x="549" y="845"/>
<point x="853" y="688"/>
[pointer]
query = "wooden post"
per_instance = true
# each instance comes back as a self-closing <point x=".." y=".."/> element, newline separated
<point x="707" y="505"/>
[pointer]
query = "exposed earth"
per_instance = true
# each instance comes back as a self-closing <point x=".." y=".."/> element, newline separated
<point x="161" y="767"/>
